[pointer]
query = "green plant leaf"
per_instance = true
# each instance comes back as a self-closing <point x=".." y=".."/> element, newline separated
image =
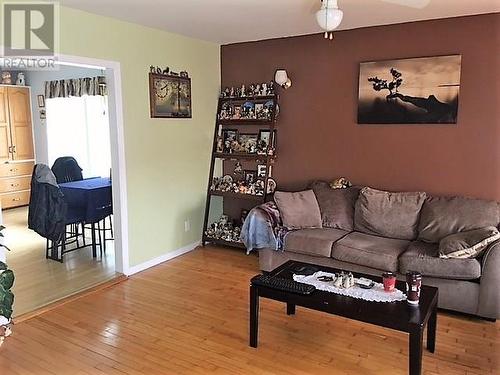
<point x="7" y="279"/>
<point x="6" y="302"/>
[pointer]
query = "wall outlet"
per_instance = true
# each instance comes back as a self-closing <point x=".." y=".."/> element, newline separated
<point x="187" y="226"/>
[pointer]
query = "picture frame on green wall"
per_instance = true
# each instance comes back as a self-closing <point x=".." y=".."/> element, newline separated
<point x="169" y="96"/>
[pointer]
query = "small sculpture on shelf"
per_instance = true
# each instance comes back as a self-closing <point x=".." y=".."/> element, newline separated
<point x="245" y="91"/>
<point x="226" y="184"/>
<point x="224" y="229"/>
<point x="270" y="88"/>
<point x="264" y="89"/>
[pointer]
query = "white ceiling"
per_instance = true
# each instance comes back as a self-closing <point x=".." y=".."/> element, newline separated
<point x="229" y="21"/>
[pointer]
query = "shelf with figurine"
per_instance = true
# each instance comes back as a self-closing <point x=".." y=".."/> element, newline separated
<point x="240" y="149"/>
<point x="251" y="186"/>
<point x="234" y="142"/>
<point x="247" y="108"/>
<point x="224" y="232"/>
<point x="245" y="156"/>
<point x="253" y="91"/>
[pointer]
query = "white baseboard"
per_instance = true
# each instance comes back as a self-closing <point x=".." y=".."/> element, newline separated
<point x="162" y="258"/>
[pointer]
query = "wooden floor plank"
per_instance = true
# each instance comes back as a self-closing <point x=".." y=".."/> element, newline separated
<point x="190" y="316"/>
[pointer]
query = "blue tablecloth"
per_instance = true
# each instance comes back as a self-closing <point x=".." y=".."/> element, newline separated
<point x="88" y="200"/>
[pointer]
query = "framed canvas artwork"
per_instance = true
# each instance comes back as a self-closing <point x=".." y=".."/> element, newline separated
<point x="409" y="91"/>
<point x="169" y="96"/>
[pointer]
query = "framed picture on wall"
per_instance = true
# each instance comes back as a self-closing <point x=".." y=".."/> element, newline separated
<point x="169" y="96"/>
<point x="420" y="90"/>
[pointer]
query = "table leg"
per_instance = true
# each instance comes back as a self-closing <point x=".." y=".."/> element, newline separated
<point x="94" y="250"/>
<point x="290" y="309"/>
<point x="431" y="330"/>
<point x="254" y="316"/>
<point x="415" y="352"/>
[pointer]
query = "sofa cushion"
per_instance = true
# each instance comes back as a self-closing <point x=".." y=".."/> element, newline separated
<point x="298" y="210"/>
<point x="393" y="215"/>
<point x="313" y="241"/>
<point x="468" y="244"/>
<point x="336" y="205"/>
<point x="442" y="216"/>
<point x="423" y="257"/>
<point x="371" y="251"/>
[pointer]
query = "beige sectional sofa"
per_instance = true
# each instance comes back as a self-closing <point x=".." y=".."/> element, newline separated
<point x="363" y="233"/>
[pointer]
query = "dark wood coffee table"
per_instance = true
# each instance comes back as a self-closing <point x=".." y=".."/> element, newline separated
<point x="395" y="315"/>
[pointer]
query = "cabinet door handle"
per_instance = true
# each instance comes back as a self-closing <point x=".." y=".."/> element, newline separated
<point x="14" y="185"/>
<point x="13" y="169"/>
<point x="10" y="149"/>
<point x="16" y="199"/>
<point x="13" y="149"/>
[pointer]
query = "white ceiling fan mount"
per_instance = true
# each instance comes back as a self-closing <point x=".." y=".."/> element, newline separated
<point x="329" y="16"/>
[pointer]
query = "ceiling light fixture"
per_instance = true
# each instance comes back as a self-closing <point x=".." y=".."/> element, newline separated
<point x="329" y="17"/>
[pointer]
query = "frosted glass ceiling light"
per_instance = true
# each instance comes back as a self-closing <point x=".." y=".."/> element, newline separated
<point x="329" y="17"/>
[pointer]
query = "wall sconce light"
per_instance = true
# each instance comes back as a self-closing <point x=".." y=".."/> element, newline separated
<point x="281" y="78"/>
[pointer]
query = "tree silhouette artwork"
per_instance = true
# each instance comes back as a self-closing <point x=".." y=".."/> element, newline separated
<point x="438" y="111"/>
<point x="382" y="84"/>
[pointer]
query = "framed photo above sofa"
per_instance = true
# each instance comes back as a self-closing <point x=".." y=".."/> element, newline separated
<point x="409" y="91"/>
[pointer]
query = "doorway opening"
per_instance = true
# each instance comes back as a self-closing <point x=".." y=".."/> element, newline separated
<point x="88" y="128"/>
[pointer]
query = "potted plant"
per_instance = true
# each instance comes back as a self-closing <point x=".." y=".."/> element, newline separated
<point x="6" y="296"/>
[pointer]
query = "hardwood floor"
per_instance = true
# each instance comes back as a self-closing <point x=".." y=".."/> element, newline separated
<point x="190" y="316"/>
<point x="40" y="281"/>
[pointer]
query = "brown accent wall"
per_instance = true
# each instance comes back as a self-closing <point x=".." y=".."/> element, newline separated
<point x="318" y="132"/>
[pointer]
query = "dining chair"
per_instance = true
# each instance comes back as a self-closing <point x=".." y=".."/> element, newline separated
<point x="66" y="169"/>
<point x="49" y="215"/>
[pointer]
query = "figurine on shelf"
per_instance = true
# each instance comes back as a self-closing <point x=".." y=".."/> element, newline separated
<point x="264" y="89"/>
<point x="270" y="88"/>
<point x="219" y="148"/>
<point x="224" y="229"/>
<point x="6" y="78"/>
<point x="232" y="92"/>
<point x="238" y="168"/>
<point x="256" y="92"/>
<point x="243" y="91"/>
<point x="251" y="90"/>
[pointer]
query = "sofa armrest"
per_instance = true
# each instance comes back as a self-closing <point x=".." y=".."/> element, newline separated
<point x="489" y="291"/>
<point x="260" y="227"/>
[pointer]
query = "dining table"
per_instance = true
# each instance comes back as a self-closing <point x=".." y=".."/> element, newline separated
<point x="89" y="201"/>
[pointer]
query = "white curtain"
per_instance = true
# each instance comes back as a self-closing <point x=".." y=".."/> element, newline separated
<point x="79" y="127"/>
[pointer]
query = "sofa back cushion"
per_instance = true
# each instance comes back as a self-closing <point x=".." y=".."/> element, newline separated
<point x="442" y="216"/>
<point x="393" y="215"/>
<point x="298" y="210"/>
<point x="336" y="205"/>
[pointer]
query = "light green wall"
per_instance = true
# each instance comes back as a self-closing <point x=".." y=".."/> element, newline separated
<point x="167" y="160"/>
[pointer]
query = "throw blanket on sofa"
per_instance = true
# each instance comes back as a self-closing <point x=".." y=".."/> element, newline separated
<point x="263" y="228"/>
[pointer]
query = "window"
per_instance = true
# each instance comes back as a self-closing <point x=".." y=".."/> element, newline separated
<point x="79" y="127"/>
